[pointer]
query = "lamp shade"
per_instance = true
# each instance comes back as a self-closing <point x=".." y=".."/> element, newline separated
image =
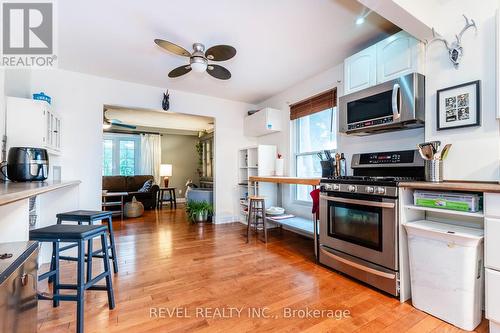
<point x="166" y="170"/>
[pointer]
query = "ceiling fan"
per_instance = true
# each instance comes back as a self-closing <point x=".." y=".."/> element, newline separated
<point x="198" y="59"/>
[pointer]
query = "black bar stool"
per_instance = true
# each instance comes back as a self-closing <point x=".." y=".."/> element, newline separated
<point x="78" y="234"/>
<point x="90" y="216"/>
<point x="256" y="212"/>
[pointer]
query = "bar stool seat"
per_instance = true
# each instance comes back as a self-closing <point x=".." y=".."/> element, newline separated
<point x="256" y="212"/>
<point x="90" y="216"/>
<point x="78" y="234"/>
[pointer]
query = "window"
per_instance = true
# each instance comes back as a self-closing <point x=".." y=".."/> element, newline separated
<point x="120" y="154"/>
<point x="315" y="130"/>
<point x="313" y="134"/>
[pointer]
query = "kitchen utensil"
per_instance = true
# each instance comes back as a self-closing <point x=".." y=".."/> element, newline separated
<point x="435" y="145"/>
<point x="337" y="164"/>
<point x="445" y="151"/>
<point x="320" y="156"/>
<point x="427" y="150"/>
<point x="421" y="152"/>
<point x="328" y="155"/>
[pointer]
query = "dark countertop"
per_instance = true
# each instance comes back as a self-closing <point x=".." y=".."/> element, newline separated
<point x="20" y="251"/>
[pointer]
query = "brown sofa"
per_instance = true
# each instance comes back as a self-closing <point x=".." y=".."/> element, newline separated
<point x="132" y="184"/>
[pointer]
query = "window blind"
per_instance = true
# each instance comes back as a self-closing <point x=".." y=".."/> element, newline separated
<point x="317" y="103"/>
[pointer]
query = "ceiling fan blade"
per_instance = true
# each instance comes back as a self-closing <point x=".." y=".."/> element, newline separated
<point x="179" y="71"/>
<point x="220" y="52"/>
<point x="119" y="123"/>
<point x="219" y="72"/>
<point x="171" y="47"/>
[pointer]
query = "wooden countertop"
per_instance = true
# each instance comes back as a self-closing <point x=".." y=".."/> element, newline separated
<point x="493" y="187"/>
<point x="11" y="192"/>
<point x="285" y="180"/>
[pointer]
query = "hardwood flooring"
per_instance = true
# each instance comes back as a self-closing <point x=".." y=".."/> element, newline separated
<point x="217" y="283"/>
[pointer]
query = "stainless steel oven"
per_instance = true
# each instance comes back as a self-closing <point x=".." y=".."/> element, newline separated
<point x="362" y="227"/>
<point x="359" y="237"/>
<point x="359" y="219"/>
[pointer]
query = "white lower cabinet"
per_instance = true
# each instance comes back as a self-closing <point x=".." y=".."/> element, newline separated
<point x="493" y="299"/>
<point x="492" y="259"/>
<point x="492" y="243"/>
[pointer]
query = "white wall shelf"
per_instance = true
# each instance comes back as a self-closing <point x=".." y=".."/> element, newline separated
<point x="445" y="211"/>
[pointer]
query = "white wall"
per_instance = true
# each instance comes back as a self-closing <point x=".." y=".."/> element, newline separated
<point x="349" y="145"/>
<point x="475" y="152"/>
<point x="80" y="99"/>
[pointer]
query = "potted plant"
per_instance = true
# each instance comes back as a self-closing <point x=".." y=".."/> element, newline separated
<point x="198" y="211"/>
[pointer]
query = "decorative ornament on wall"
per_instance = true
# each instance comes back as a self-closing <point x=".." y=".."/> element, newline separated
<point x="455" y="49"/>
<point x="165" y="104"/>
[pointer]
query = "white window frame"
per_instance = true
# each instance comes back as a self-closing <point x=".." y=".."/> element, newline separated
<point x="116" y="138"/>
<point x="295" y="144"/>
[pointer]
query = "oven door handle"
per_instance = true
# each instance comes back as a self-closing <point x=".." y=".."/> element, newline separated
<point x="359" y="202"/>
<point x="395" y="107"/>
<point x="358" y="266"/>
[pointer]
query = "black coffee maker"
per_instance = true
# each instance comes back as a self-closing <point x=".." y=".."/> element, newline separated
<point x="25" y="164"/>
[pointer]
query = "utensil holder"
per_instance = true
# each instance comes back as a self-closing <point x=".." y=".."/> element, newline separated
<point x="434" y="171"/>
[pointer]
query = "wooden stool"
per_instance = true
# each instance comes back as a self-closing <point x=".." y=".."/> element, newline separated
<point x="79" y="235"/>
<point x="256" y="211"/>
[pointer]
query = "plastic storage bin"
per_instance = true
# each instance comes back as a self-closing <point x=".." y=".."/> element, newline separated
<point x="447" y="271"/>
<point x="466" y="202"/>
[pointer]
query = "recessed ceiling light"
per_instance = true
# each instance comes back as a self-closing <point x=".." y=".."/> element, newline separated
<point x="360" y="20"/>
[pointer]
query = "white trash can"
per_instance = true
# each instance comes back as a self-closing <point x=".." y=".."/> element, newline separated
<point x="447" y="271"/>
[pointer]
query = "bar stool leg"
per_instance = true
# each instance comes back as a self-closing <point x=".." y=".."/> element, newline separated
<point x="264" y="220"/>
<point x="89" y="259"/>
<point x="80" y="287"/>
<point x="55" y="277"/>
<point x="112" y="243"/>
<point x="248" y="219"/>
<point x="109" y="284"/>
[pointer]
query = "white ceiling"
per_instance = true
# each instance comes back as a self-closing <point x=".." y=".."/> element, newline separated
<point x="159" y="120"/>
<point x="279" y="42"/>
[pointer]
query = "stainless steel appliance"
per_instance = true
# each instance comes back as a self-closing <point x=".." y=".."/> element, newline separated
<point x="392" y="105"/>
<point x="18" y="287"/>
<point x="359" y="217"/>
<point x="27" y="164"/>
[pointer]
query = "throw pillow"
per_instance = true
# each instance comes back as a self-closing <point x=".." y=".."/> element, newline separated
<point x="147" y="186"/>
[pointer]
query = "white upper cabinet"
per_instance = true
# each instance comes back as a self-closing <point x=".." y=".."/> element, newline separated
<point x="398" y="55"/>
<point x="360" y="70"/>
<point x="32" y="123"/>
<point x="263" y="122"/>
<point x="395" y="56"/>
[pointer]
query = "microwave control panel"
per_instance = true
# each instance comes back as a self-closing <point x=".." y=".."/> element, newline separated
<point x="369" y="123"/>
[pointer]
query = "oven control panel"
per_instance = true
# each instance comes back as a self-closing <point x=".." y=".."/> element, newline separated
<point x="399" y="158"/>
<point x="388" y="191"/>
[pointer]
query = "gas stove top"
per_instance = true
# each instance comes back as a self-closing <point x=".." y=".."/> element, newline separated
<point x="378" y="173"/>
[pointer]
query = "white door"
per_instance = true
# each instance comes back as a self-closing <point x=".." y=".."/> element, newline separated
<point x="360" y="70"/>
<point x="397" y="55"/>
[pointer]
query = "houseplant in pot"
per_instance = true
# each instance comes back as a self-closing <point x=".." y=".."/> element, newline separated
<point x="198" y="211"/>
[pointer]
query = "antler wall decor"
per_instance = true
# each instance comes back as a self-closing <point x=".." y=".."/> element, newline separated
<point x="455" y="49"/>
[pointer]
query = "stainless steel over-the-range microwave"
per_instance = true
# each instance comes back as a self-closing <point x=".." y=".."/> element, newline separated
<point x="392" y="105"/>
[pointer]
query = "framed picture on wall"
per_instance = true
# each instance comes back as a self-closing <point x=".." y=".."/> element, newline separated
<point x="459" y="106"/>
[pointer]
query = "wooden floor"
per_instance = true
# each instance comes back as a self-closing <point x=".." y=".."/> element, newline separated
<point x="205" y="272"/>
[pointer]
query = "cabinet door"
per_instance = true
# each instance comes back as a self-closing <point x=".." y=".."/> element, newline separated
<point x="397" y="55"/>
<point x="492" y="295"/>
<point x="360" y="70"/>
<point x="492" y="242"/>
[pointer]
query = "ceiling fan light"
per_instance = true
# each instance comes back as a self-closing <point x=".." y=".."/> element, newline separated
<point x="199" y="67"/>
<point x="198" y="64"/>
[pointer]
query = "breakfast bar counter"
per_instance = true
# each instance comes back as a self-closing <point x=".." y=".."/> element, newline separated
<point x="489" y="187"/>
<point x="12" y="191"/>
